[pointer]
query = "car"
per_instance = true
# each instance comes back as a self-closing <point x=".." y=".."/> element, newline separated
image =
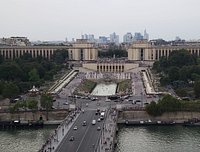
<point x="99" y="119"/>
<point x="75" y="128"/>
<point x="104" y="110"/>
<point x="130" y="100"/>
<point x="71" y="138"/>
<point x="65" y="103"/>
<point x="137" y="101"/>
<point x="98" y="128"/>
<point x="108" y="100"/>
<point x="93" y="122"/>
<point x="86" y="104"/>
<point x="84" y="123"/>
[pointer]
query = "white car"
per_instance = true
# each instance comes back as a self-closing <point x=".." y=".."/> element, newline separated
<point x="66" y="103"/>
<point x="93" y="122"/>
<point x="99" y="119"/>
<point x="75" y="128"/>
<point x="98" y="128"/>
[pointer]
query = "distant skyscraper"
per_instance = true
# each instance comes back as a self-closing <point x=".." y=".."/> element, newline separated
<point x="103" y="40"/>
<point x="138" y="36"/>
<point x="146" y="35"/>
<point x="128" y="38"/>
<point x="114" y="38"/>
<point x="91" y="38"/>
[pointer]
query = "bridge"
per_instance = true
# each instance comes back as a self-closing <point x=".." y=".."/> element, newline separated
<point x="97" y="137"/>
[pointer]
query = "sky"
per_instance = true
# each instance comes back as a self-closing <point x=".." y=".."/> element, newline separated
<point x="60" y="19"/>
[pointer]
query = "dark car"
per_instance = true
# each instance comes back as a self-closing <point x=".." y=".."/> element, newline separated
<point x="71" y="138"/>
<point x="84" y="123"/>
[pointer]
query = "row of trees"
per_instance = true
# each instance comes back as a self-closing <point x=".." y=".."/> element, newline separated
<point x="181" y="69"/>
<point x="46" y="102"/>
<point x="20" y="74"/>
<point x="171" y="104"/>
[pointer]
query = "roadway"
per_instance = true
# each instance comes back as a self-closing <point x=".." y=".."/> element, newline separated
<point x="84" y="136"/>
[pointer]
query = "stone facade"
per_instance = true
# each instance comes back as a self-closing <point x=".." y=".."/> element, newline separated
<point x="146" y="51"/>
<point x="80" y="50"/>
<point x="110" y="67"/>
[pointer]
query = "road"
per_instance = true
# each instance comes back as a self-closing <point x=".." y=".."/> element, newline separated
<point x="85" y="136"/>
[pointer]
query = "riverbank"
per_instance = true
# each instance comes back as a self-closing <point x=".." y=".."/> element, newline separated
<point x="56" y="114"/>
<point x="170" y="118"/>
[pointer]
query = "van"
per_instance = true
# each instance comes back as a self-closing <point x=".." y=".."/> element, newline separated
<point x="93" y="122"/>
<point x="102" y="115"/>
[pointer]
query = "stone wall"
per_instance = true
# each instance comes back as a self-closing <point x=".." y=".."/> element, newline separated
<point x="25" y="116"/>
<point x="170" y="116"/>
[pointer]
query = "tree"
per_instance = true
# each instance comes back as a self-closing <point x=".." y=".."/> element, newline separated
<point x="10" y="71"/>
<point x="169" y="104"/>
<point x="33" y="75"/>
<point x="1" y="59"/>
<point x="153" y="109"/>
<point x="60" y="56"/>
<point x="197" y="89"/>
<point x="10" y="90"/>
<point x="32" y="104"/>
<point x="181" y="58"/>
<point x="173" y="73"/>
<point x="46" y="102"/>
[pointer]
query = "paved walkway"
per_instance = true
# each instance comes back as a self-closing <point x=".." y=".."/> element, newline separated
<point x="54" y="140"/>
<point x="106" y="142"/>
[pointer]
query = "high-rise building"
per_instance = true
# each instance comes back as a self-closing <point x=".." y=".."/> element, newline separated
<point x="103" y="40"/>
<point x="138" y="36"/>
<point x="114" y="38"/>
<point x="146" y="35"/>
<point x="128" y="38"/>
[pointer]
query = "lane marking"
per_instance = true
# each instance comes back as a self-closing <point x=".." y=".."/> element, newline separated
<point x="84" y="135"/>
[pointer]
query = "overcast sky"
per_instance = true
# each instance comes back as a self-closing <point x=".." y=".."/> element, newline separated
<point x="58" y="19"/>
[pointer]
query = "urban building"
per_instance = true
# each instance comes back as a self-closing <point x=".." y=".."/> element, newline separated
<point x="128" y="38"/>
<point x="15" y="41"/>
<point x="137" y="36"/>
<point x="115" y="67"/>
<point x="79" y="50"/>
<point x="114" y="38"/>
<point x="146" y="35"/>
<point x="89" y="37"/>
<point x="103" y="40"/>
<point x="144" y="50"/>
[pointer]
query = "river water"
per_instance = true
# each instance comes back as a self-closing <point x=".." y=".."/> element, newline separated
<point x="130" y="139"/>
<point x="158" y="139"/>
<point x="27" y="140"/>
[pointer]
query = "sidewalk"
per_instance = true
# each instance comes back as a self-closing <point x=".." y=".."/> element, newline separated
<point x="106" y="143"/>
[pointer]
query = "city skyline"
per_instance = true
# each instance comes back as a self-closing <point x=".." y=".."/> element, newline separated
<point x="57" y="20"/>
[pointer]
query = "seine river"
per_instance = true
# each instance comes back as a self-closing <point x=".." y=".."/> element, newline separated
<point x="130" y="139"/>
<point x="158" y="139"/>
<point x="27" y="140"/>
